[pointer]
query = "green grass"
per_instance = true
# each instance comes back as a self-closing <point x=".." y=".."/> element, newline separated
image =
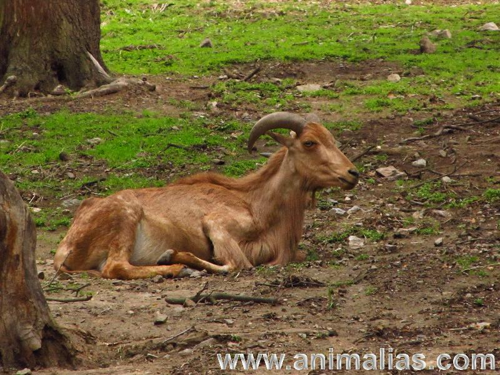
<point x="463" y="66"/>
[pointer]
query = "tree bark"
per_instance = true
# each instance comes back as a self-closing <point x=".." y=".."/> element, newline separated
<point x="46" y="43"/>
<point x="28" y="335"/>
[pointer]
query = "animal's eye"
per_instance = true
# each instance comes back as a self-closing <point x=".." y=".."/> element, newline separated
<point x="309" y="144"/>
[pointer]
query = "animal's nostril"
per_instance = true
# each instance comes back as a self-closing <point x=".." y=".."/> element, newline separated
<point x="354" y="172"/>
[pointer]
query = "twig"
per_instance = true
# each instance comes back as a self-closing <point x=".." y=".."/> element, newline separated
<point x="441" y="175"/>
<point x="59" y="269"/>
<point x="252" y="73"/>
<point x="359" y="156"/>
<point x="177" y="335"/>
<point x="222" y="296"/>
<point x="79" y="289"/>
<point x="478" y="267"/>
<point x="68" y="300"/>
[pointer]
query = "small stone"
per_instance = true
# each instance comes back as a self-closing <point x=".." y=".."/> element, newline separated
<point x="442" y="153"/>
<point x="394" y="77"/>
<point x="311" y="87"/>
<point x="160" y="319"/>
<point x="36" y="209"/>
<point x="207" y="343"/>
<point x="94" y="141"/>
<point x="391" y="247"/>
<point x="25" y="371"/>
<point x="338" y="211"/>
<point x="218" y="162"/>
<point x="438" y="242"/>
<point x="207" y="43"/>
<point x="229" y="322"/>
<point x="35" y="171"/>
<point x="189" y="303"/>
<point x="426" y="46"/>
<point x="446" y="179"/>
<point x="186" y="352"/>
<point x="195" y="275"/>
<point x="353" y="209"/>
<point x="419" y="163"/>
<point x="441" y="34"/>
<point x="347" y="199"/>
<point x="158" y="279"/>
<point x="442" y="213"/>
<point x="390" y="172"/>
<point x="63" y="156"/>
<point x="71" y="203"/>
<point x="59" y="90"/>
<point x="71" y="175"/>
<point x="131" y="312"/>
<point x="176" y="128"/>
<point x="490" y="26"/>
<point x="356" y="242"/>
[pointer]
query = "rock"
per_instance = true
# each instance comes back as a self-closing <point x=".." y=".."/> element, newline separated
<point x="404" y="232"/>
<point x="186" y="352"/>
<point x="25" y="371"/>
<point x="71" y="175"/>
<point x="229" y="322"/>
<point x="438" y="242"/>
<point x="218" y="162"/>
<point x="338" y="211"/>
<point x="356" y="242"/>
<point x="35" y="171"/>
<point x="490" y="26"/>
<point x="391" y="247"/>
<point x="446" y="179"/>
<point x="189" y="303"/>
<point x="426" y="46"/>
<point x="394" y="77"/>
<point x="94" y="141"/>
<point x="71" y="203"/>
<point x="347" y="199"/>
<point x="207" y="43"/>
<point x="158" y="279"/>
<point x="36" y="209"/>
<point x="419" y="163"/>
<point x="195" y="275"/>
<point x="59" y="90"/>
<point x="442" y="153"/>
<point x="311" y="87"/>
<point x="63" y="156"/>
<point x="353" y="209"/>
<point x="160" y="319"/>
<point x="442" y="213"/>
<point x="441" y="34"/>
<point x="390" y="172"/>
<point x="210" y="342"/>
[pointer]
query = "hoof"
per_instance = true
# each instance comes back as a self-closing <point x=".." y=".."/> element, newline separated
<point x="166" y="258"/>
<point x="185" y="272"/>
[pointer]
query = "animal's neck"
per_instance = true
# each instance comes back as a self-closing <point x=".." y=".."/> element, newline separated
<point x="278" y="202"/>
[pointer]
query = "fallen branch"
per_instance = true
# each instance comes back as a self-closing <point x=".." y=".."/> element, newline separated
<point x="9" y="81"/>
<point x="440" y="132"/>
<point x="69" y="300"/>
<point x="221" y="296"/>
<point x="252" y="73"/>
<point x="177" y="335"/>
<point x="479" y="267"/>
<point x="116" y="86"/>
<point x="140" y="47"/>
<point x="441" y="175"/>
<point x="359" y="156"/>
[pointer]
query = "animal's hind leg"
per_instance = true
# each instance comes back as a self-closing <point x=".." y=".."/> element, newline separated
<point x="126" y="271"/>
<point x="189" y="259"/>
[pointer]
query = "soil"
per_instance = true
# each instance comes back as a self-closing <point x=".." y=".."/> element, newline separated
<point x="401" y="292"/>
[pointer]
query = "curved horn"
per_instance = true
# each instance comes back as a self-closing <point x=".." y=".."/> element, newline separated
<point x="276" y="120"/>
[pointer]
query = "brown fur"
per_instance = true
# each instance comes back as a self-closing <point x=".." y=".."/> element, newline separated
<point x="208" y="221"/>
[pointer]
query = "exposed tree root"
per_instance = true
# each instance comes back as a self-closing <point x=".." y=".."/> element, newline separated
<point x="116" y="86"/>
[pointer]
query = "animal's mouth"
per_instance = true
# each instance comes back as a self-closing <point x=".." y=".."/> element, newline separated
<point x="348" y="185"/>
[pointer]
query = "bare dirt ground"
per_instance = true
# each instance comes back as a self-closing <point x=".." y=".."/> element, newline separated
<point x="401" y="292"/>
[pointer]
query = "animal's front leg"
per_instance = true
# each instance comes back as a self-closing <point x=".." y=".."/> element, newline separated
<point x="226" y="250"/>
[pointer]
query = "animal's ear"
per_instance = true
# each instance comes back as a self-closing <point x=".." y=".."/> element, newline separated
<point x="285" y="141"/>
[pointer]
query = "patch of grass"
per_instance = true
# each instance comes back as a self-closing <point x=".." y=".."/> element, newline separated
<point x="362" y="257"/>
<point x="340" y="126"/>
<point x="466" y="261"/>
<point x="370" y="290"/>
<point x="492" y="195"/>
<point x="479" y="302"/>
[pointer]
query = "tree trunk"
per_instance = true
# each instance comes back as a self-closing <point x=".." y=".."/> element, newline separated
<point x="28" y="335"/>
<point x="45" y="43"/>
